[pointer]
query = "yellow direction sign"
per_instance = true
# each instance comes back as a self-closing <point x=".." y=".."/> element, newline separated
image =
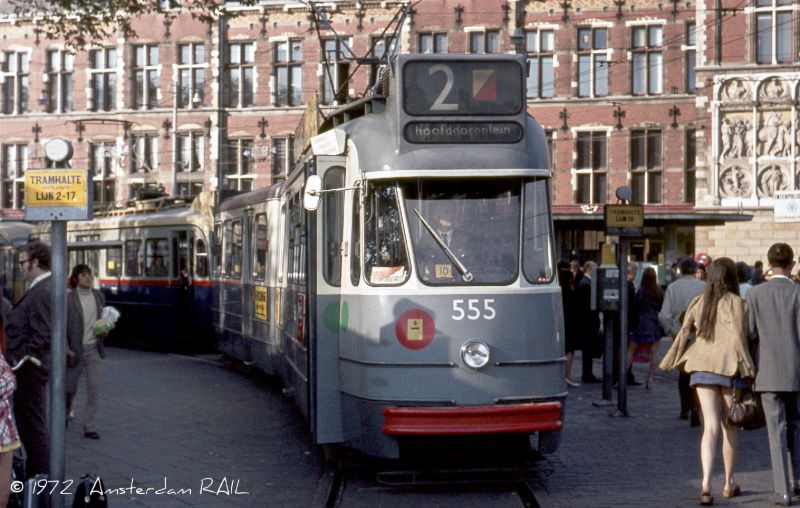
<point x="624" y="220"/>
<point x="56" y="187"/>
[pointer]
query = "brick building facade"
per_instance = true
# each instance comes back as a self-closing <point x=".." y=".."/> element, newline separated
<point x="630" y="93"/>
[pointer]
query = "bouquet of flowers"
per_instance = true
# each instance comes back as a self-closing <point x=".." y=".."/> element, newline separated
<point x="107" y="321"/>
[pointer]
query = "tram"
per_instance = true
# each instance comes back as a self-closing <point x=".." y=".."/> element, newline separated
<point x="401" y="281"/>
<point x="152" y="263"/>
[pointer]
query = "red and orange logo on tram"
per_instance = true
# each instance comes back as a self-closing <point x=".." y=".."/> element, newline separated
<point x="415" y="329"/>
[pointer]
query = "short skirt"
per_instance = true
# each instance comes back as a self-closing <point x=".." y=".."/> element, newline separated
<point x="710" y="378"/>
<point x="644" y="339"/>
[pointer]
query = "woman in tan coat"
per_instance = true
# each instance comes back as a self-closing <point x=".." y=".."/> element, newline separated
<point x="712" y="347"/>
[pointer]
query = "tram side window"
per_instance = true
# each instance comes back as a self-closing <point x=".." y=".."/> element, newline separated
<point x="114" y="261"/>
<point x="297" y="240"/>
<point x="385" y="260"/>
<point x="355" y="258"/>
<point x="537" y="251"/>
<point x="236" y="250"/>
<point x="260" y="247"/>
<point x="156" y="257"/>
<point x="332" y="216"/>
<point x="216" y="253"/>
<point x="227" y="244"/>
<point x="132" y="266"/>
<point x="200" y="259"/>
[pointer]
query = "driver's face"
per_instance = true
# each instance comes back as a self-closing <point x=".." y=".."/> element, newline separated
<point x="445" y="221"/>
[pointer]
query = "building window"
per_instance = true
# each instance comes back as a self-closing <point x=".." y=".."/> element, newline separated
<point x="590" y="167"/>
<point x="281" y="156"/>
<point x="647" y="59"/>
<point x="192" y="75"/>
<point x="240" y="69"/>
<point x="539" y="45"/>
<point x="592" y="62"/>
<point x="691" y="58"/>
<point x="101" y="160"/>
<point x="103" y="78"/>
<point x="484" y="41"/>
<point x="646" y="166"/>
<point x="144" y="153"/>
<point x="288" y="73"/>
<point x="690" y="166"/>
<point x="145" y="76"/>
<point x="16" y="82"/>
<point x="60" y="64"/>
<point x="432" y="43"/>
<point x="189" y="189"/>
<point x="774" y="31"/>
<point x="191" y="149"/>
<point x="15" y="163"/>
<point x="335" y="70"/>
<point x="239" y="165"/>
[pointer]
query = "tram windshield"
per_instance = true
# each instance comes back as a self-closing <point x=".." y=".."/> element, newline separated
<point x="464" y="234"/>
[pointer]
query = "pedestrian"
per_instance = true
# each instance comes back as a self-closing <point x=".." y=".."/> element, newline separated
<point x="86" y="350"/>
<point x="28" y="333"/>
<point x="572" y="342"/>
<point x="9" y="437"/>
<point x="744" y="275"/>
<point x="712" y="345"/>
<point x="758" y="273"/>
<point x="700" y="274"/>
<point x="587" y="322"/>
<point x="775" y="325"/>
<point x="646" y="330"/>
<point x="676" y="301"/>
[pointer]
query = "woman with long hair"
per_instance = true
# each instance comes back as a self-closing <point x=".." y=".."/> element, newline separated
<point x="646" y="330"/>
<point x="712" y="347"/>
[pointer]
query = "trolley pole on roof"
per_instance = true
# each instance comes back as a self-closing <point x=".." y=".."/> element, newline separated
<point x="58" y="195"/>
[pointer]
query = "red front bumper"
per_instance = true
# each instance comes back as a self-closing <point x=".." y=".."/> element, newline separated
<point x="498" y="419"/>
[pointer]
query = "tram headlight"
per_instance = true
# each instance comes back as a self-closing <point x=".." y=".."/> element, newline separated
<point x="475" y="354"/>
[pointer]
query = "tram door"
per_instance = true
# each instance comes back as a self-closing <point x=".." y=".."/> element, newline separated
<point x="329" y="225"/>
<point x="295" y="303"/>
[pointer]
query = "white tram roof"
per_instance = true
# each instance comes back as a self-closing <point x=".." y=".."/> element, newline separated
<point x="15" y="232"/>
<point x="168" y="217"/>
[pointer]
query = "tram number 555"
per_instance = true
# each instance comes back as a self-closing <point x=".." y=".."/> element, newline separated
<point x="472" y="309"/>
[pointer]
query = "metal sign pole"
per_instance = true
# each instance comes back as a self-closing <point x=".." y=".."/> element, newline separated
<point x="58" y="359"/>
<point x="622" y="372"/>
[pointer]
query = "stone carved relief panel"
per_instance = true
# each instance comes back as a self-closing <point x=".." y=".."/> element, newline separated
<point x="774" y="90"/>
<point x="771" y="179"/>
<point x="774" y="134"/>
<point x="736" y="90"/>
<point x="735" y="139"/>
<point x="734" y="182"/>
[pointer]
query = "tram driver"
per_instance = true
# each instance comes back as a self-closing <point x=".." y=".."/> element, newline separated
<point x="435" y="264"/>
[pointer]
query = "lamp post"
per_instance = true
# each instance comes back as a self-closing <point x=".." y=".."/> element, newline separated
<point x="196" y="101"/>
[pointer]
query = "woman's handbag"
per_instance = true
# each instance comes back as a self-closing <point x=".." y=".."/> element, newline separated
<point x="746" y="412"/>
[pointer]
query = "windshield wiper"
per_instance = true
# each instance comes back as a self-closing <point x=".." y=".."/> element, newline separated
<point x="466" y="275"/>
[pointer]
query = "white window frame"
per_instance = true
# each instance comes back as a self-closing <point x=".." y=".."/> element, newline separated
<point x="590" y="170"/>
<point x="14" y="176"/>
<point x="194" y="69"/>
<point x="653" y="85"/>
<point x="16" y="72"/>
<point x="56" y="77"/>
<point x="774" y="11"/>
<point x="247" y="62"/>
<point x="107" y="74"/>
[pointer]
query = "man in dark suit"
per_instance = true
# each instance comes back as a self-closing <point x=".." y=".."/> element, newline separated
<point x="775" y="324"/>
<point x="28" y="333"/>
<point x="587" y="322"/>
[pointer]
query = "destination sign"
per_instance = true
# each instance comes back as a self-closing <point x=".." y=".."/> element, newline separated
<point x="468" y="87"/>
<point x="463" y="132"/>
<point x="56" y="187"/>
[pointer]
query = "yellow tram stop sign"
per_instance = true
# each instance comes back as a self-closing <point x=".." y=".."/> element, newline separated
<point x="624" y="220"/>
<point x="57" y="194"/>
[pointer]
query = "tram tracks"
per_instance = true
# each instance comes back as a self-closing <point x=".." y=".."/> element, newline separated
<point x="369" y="484"/>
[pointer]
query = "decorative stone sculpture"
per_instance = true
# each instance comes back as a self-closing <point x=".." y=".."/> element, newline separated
<point x="736" y="90"/>
<point x="773" y="137"/>
<point x="734" y="182"/>
<point x="773" y="90"/>
<point x="771" y="180"/>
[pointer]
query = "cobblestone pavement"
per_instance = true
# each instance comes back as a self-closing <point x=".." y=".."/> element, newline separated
<point x="180" y="420"/>
<point x="192" y="423"/>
